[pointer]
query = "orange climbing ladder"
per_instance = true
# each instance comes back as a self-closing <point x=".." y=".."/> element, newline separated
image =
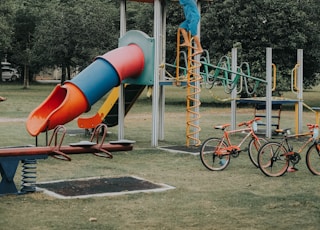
<point x="193" y="91"/>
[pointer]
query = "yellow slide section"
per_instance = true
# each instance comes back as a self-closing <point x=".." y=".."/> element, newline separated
<point x="91" y="122"/>
<point x="108" y="112"/>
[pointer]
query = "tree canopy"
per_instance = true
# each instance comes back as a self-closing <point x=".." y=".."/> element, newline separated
<point x="69" y="33"/>
<point x="284" y="26"/>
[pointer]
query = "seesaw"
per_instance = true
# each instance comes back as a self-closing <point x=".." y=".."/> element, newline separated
<point x="10" y="157"/>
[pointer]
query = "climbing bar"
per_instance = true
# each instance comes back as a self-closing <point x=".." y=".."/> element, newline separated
<point x="222" y="68"/>
<point x="193" y="102"/>
<point x="274" y="67"/>
<point x="178" y="55"/>
<point x="294" y="75"/>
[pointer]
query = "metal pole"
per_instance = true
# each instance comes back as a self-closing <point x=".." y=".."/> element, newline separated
<point x="268" y="91"/>
<point x="300" y="89"/>
<point x="234" y="91"/>
<point x="197" y="85"/>
<point x="162" y="72"/>
<point x="121" y="100"/>
<point x="156" y="85"/>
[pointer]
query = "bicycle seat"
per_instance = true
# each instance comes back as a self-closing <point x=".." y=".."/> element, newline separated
<point x="282" y="131"/>
<point x="222" y="127"/>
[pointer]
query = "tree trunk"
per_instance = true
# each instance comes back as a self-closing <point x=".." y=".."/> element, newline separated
<point x="63" y="73"/>
<point x="26" y="77"/>
<point x="69" y="72"/>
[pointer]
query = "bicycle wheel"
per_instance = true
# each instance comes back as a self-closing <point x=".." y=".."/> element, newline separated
<point x="214" y="155"/>
<point x="313" y="159"/>
<point x="253" y="149"/>
<point x="272" y="160"/>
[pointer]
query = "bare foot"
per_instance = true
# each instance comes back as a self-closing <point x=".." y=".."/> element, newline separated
<point x="185" y="44"/>
<point x="196" y="52"/>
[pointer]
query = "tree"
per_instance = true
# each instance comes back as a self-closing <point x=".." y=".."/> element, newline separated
<point x="74" y="32"/>
<point x="6" y="21"/>
<point x="24" y="27"/>
<point x="69" y="33"/>
<point x="140" y="17"/>
<point x="284" y="26"/>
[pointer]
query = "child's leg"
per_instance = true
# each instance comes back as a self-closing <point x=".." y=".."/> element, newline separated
<point x="198" y="49"/>
<point x="185" y="37"/>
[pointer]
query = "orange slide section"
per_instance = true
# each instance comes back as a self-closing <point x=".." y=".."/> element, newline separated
<point x="67" y="100"/>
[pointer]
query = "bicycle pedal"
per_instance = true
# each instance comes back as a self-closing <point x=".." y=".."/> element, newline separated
<point x="292" y="169"/>
<point x="236" y="154"/>
<point x="244" y="150"/>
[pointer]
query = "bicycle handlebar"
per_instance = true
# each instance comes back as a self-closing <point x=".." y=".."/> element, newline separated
<point x="248" y="123"/>
<point x="312" y="126"/>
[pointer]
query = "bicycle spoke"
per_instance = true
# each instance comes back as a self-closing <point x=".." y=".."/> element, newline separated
<point x="254" y="146"/>
<point x="213" y="154"/>
<point x="313" y="159"/>
<point x="272" y="160"/>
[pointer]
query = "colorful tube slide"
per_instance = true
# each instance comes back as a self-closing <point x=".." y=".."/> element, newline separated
<point x="68" y="101"/>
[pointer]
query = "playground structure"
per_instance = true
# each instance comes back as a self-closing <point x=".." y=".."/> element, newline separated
<point x="139" y="60"/>
<point x="233" y="74"/>
<point x="136" y="61"/>
<point x="234" y="78"/>
<point x="158" y="83"/>
<point x="269" y="102"/>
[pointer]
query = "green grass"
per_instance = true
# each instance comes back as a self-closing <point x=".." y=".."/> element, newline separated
<point x="240" y="197"/>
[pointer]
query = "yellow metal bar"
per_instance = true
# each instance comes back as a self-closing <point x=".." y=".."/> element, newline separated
<point x="178" y="55"/>
<point x="296" y="76"/>
<point x="274" y="77"/>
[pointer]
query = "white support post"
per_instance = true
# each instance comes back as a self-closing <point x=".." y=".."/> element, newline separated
<point x="121" y="99"/>
<point x="234" y="63"/>
<point x="300" y="89"/>
<point x="268" y="91"/>
<point x="156" y="85"/>
<point x="162" y="72"/>
<point x="197" y="85"/>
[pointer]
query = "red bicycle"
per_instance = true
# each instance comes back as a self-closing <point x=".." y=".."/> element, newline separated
<point x="215" y="152"/>
<point x="274" y="158"/>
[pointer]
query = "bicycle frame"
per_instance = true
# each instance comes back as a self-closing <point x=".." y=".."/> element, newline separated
<point x="216" y="152"/>
<point x="311" y="133"/>
<point x="226" y="137"/>
<point x="290" y="148"/>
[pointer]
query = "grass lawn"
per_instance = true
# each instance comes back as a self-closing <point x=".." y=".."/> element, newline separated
<point x="240" y="197"/>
